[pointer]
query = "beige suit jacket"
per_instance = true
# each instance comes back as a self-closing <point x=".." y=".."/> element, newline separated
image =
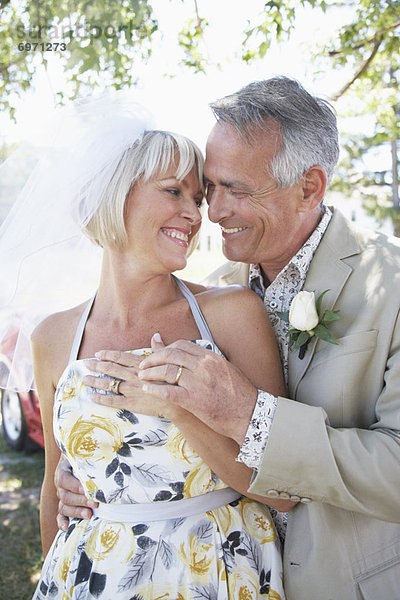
<point x="335" y="439"/>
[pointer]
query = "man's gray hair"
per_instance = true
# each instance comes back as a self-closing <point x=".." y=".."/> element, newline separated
<point x="307" y="125"/>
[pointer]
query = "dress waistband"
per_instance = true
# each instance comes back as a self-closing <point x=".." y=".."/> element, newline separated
<point x="159" y="511"/>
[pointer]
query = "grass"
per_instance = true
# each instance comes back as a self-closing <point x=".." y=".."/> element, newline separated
<point x="21" y="476"/>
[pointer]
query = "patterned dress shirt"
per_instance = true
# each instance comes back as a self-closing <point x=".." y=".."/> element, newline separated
<point x="277" y="297"/>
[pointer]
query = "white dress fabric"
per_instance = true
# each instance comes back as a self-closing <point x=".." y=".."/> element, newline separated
<point x="145" y="543"/>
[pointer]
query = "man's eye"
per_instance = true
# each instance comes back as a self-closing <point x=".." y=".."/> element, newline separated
<point x="238" y="193"/>
<point x="210" y="187"/>
<point x="199" y="202"/>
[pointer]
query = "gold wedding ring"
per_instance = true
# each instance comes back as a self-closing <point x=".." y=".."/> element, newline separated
<point x="178" y="375"/>
<point x="114" y="386"/>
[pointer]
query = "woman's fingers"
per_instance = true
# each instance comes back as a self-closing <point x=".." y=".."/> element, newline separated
<point x="111" y="369"/>
<point x="126" y="359"/>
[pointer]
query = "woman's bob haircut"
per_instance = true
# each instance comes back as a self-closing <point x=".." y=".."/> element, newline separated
<point x="150" y="157"/>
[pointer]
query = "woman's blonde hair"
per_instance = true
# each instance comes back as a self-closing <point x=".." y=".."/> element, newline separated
<point x="152" y="156"/>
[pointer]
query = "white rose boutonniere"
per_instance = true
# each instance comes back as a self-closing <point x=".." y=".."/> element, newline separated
<point x="306" y="321"/>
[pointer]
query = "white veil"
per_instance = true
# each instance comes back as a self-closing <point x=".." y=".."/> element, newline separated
<point x="46" y="263"/>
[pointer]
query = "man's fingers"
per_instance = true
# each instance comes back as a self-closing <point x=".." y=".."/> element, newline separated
<point x="74" y="512"/>
<point x="165" y="373"/>
<point x="174" y="355"/>
<point x="62" y="522"/>
<point x="168" y="393"/>
<point x="65" y="481"/>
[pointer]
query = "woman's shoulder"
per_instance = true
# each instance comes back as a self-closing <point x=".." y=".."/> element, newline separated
<point x="56" y="326"/>
<point x="230" y="300"/>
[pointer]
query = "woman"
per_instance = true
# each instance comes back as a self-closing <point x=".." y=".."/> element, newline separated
<point x="168" y="525"/>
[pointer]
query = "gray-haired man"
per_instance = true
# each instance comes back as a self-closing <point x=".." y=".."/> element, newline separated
<point x="333" y="443"/>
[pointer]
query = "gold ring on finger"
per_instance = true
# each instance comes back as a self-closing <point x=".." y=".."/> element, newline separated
<point x="178" y="375"/>
<point x="114" y="386"/>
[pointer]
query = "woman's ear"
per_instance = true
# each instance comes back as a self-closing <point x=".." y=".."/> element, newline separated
<point x="314" y="182"/>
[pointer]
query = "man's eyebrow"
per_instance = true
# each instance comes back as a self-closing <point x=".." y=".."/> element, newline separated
<point x="229" y="184"/>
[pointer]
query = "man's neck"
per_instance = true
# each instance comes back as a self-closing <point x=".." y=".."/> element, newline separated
<point x="270" y="270"/>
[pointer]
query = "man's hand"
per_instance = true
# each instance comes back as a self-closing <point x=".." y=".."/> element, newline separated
<point x="208" y="386"/>
<point x="73" y="502"/>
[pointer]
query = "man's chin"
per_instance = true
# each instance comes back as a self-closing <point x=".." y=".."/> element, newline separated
<point x="233" y="254"/>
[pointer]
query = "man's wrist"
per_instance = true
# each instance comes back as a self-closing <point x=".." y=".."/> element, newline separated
<point x="253" y="446"/>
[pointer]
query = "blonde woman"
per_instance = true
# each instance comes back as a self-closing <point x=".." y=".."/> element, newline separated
<point x="172" y="521"/>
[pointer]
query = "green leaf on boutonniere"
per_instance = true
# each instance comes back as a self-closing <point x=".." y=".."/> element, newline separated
<point x="304" y="309"/>
<point x="284" y="316"/>
<point x="302" y="339"/>
<point x="324" y="334"/>
<point x="319" y="301"/>
<point x="329" y="316"/>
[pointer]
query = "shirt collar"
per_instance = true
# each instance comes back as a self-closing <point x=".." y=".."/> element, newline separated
<point x="300" y="261"/>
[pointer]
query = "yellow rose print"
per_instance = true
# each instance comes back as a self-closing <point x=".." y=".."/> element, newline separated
<point x="72" y="388"/>
<point x="243" y="584"/>
<point x="198" y="557"/>
<point x="110" y="542"/>
<point x="257" y="520"/>
<point x="91" y="487"/>
<point x="179" y="449"/>
<point x="199" y="481"/>
<point x="274" y="595"/>
<point x="95" y="438"/>
<point x="64" y="561"/>
<point x="226" y="518"/>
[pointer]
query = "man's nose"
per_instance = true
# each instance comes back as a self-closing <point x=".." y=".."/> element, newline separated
<point x="219" y="206"/>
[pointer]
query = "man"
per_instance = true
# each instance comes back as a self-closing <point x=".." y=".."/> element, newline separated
<point x="333" y="444"/>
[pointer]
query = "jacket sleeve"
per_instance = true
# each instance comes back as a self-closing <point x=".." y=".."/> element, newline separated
<point x="353" y="468"/>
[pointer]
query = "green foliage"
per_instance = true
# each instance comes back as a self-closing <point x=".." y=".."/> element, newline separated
<point x="277" y="21"/>
<point x="100" y="38"/>
<point x="190" y="39"/>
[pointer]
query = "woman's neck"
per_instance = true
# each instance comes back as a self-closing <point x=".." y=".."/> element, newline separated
<point x="127" y="291"/>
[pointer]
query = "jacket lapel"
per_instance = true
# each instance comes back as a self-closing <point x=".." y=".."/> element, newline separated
<point x="235" y="273"/>
<point x="328" y="271"/>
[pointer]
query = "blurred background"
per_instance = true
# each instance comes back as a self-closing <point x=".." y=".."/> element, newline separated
<point x="179" y="55"/>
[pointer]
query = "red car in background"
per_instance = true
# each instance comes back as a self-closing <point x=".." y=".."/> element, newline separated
<point x="21" y="422"/>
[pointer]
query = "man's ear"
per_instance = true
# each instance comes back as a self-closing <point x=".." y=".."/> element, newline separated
<point x="314" y="182"/>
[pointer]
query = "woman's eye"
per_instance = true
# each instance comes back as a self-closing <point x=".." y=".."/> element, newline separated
<point x="173" y="191"/>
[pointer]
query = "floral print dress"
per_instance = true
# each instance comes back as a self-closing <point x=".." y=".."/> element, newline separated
<point x="122" y="458"/>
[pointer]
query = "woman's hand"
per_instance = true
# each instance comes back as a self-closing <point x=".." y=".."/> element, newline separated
<point x="124" y="366"/>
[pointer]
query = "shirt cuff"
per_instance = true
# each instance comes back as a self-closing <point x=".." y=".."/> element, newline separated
<point x="252" y="449"/>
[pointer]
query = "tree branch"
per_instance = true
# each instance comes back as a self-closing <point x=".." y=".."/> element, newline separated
<point x="368" y="41"/>
<point x="360" y="71"/>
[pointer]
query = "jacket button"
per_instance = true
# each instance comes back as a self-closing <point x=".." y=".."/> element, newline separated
<point x="305" y="500"/>
<point x="295" y="498"/>
<point x="273" y="493"/>
<point x="284" y="495"/>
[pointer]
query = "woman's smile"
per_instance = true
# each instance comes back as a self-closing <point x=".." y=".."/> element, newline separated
<point x="178" y="235"/>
